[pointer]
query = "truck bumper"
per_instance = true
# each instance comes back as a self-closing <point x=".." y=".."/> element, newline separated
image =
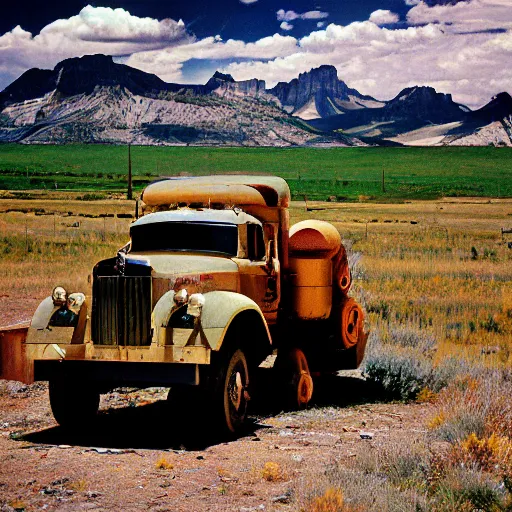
<point x="110" y="374"/>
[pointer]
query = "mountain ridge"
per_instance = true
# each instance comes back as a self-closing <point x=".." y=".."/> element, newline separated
<point x="39" y="100"/>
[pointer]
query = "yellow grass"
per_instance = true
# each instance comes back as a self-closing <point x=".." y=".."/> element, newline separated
<point x="422" y="275"/>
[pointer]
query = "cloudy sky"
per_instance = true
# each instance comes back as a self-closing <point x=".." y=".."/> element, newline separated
<point x="378" y="46"/>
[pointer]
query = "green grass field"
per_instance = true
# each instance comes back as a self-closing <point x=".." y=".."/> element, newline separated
<point x="347" y="173"/>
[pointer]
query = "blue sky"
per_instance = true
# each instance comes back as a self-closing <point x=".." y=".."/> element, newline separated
<point x="377" y="46"/>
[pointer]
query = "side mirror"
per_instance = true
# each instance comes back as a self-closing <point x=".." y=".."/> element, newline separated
<point x="269" y="254"/>
<point x="272" y="263"/>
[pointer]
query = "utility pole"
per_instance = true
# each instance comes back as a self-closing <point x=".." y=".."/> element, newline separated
<point x="130" y="191"/>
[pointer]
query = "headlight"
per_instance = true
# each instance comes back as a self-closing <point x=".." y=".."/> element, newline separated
<point x="59" y="296"/>
<point x="75" y="301"/>
<point x="181" y="297"/>
<point x="195" y="304"/>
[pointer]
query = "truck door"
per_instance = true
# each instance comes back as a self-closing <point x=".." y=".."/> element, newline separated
<point x="260" y="273"/>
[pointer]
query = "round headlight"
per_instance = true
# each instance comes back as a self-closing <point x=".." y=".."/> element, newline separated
<point x="59" y="296"/>
<point x="75" y="301"/>
<point x="195" y="304"/>
<point x="181" y="297"/>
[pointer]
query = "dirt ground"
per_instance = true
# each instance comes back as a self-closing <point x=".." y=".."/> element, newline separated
<point x="141" y="456"/>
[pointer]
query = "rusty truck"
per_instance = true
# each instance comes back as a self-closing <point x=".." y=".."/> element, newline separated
<point x="212" y="281"/>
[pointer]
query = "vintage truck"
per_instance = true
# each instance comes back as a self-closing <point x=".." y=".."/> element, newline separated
<point x="212" y="282"/>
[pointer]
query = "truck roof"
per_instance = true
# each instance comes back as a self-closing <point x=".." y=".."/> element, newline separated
<point x="237" y="189"/>
<point x="205" y="216"/>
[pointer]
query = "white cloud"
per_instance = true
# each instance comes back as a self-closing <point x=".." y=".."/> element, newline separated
<point x="473" y="15"/>
<point x="320" y="24"/>
<point x="167" y="63"/>
<point x="283" y="15"/>
<point x="384" y="17"/>
<point x="412" y="2"/>
<point x="286" y="26"/>
<point x="93" y="30"/>
<point x="381" y="61"/>
<point x="103" y="24"/>
<point x="247" y="2"/>
<point x="449" y="47"/>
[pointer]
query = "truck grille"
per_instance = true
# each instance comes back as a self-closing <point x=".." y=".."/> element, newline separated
<point x="121" y="311"/>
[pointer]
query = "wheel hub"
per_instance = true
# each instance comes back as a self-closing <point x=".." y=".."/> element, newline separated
<point x="304" y="388"/>
<point x="236" y="390"/>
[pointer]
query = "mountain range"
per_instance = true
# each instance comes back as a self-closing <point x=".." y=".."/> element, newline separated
<point x="94" y="99"/>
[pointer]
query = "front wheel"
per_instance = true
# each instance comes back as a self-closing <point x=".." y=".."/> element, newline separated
<point x="73" y="405"/>
<point x="231" y="391"/>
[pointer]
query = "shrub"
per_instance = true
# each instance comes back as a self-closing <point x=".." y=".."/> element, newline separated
<point x="487" y="453"/>
<point x="399" y="376"/>
<point x="91" y="197"/>
<point x="272" y="472"/>
<point x="163" y="463"/>
<point x="330" y="501"/>
<point x="465" y="489"/>
<point x="476" y="404"/>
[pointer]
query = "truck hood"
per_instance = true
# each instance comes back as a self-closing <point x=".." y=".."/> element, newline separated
<point x="165" y="264"/>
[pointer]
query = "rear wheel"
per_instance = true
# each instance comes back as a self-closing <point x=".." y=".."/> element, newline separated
<point x="73" y="405"/>
<point x="294" y="378"/>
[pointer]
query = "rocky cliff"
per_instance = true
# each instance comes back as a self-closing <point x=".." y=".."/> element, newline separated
<point x="423" y="103"/>
<point x="319" y="93"/>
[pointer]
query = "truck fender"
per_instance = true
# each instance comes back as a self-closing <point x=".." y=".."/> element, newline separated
<point x="39" y="331"/>
<point x="161" y="314"/>
<point x="220" y="310"/>
<point x="218" y="314"/>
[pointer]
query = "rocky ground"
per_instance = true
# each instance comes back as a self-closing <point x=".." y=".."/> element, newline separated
<point x="140" y="457"/>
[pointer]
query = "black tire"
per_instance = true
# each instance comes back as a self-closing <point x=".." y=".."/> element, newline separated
<point x="230" y="392"/>
<point x="73" y="406"/>
<point x="293" y="378"/>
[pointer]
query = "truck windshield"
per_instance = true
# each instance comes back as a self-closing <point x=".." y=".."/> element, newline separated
<point x="185" y="236"/>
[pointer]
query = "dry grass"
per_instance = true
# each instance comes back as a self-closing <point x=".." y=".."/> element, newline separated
<point x="438" y="296"/>
<point x="38" y="252"/>
<point x="439" y="305"/>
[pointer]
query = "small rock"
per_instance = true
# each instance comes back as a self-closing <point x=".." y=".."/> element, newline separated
<point x="93" y="494"/>
<point x="16" y="387"/>
<point x="297" y="458"/>
<point x="284" y="498"/>
<point x="49" y="491"/>
<point x="112" y="451"/>
<point x="252" y="509"/>
<point x="60" y="481"/>
<point x="366" y="435"/>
